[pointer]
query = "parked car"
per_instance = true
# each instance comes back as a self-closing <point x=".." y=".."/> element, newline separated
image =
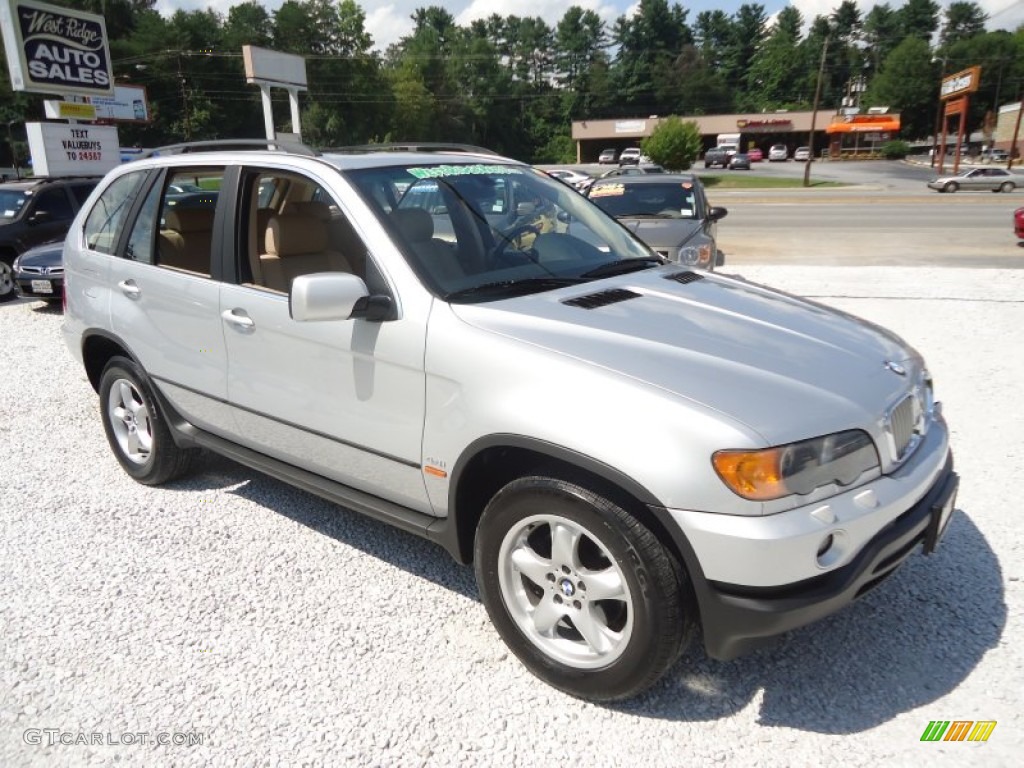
<point x="802" y="154"/>
<point x="669" y="212"/>
<point x="1018" y="223"/>
<point x="630" y="156"/>
<point x="34" y="211"/>
<point x="739" y="162"/>
<point x="39" y="272"/>
<point x="995" y="155"/>
<point x="756" y="155"/>
<point x="631" y="452"/>
<point x="716" y="156"/>
<point x="777" y="153"/>
<point x="574" y="179"/>
<point x="992" y="179"/>
<point x="607" y="157"/>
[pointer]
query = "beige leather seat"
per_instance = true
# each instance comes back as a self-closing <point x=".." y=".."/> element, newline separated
<point x="186" y="239"/>
<point x="439" y="257"/>
<point x="297" y="244"/>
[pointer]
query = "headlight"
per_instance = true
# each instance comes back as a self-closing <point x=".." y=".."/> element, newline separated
<point x="695" y="254"/>
<point x="797" y="468"/>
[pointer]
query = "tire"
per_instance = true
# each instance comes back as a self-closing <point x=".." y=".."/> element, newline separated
<point x="135" y="428"/>
<point x="542" y="546"/>
<point x="7" y="292"/>
<point x="1007" y="186"/>
<point x="951" y="186"/>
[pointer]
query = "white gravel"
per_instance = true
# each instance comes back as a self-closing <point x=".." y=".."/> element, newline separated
<point x="287" y="631"/>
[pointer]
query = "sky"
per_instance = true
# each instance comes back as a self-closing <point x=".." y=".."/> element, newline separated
<point x="389" y="20"/>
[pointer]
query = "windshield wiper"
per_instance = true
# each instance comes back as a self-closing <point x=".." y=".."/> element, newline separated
<point x="646" y="215"/>
<point x="508" y="288"/>
<point x="624" y="266"/>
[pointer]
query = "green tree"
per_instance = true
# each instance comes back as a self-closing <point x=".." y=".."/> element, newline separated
<point x="673" y="143"/>
<point x="648" y="41"/>
<point x="919" y="18"/>
<point x="906" y="83"/>
<point x="963" y="20"/>
<point x="881" y="32"/>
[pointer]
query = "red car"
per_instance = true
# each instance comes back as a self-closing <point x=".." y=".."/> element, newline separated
<point x="1018" y="223"/>
<point x="755" y="155"/>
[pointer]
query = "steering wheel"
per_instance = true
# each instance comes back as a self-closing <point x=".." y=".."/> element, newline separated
<point x="510" y="236"/>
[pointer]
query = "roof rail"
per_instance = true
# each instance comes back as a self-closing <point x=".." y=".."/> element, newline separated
<point x="224" y="145"/>
<point x="414" y="146"/>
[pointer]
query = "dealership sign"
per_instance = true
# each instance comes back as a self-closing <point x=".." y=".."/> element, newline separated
<point x="55" y="50"/>
<point x="961" y="83"/>
<point x="62" y="149"/>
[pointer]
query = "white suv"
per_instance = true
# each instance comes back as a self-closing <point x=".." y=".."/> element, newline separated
<point x="778" y="152"/>
<point x="630" y="156"/>
<point x="461" y="346"/>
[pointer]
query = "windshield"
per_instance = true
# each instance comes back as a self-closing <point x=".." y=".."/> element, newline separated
<point x="478" y="232"/>
<point x="11" y="202"/>
<point x="665" y="200"/>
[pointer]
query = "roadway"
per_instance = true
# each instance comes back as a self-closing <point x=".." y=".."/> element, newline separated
<point x="884" y="216"/>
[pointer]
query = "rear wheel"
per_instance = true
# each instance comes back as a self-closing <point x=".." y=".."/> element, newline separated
<point x="951" y="186"/>
<point x="135" y="428"/>
<point x="587" y="597"/>
<point x="1007" y="186"/>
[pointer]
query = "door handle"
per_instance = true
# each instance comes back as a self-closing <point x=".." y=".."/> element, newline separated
<point x="239" y="319"/>
<point x="130" y="289"/>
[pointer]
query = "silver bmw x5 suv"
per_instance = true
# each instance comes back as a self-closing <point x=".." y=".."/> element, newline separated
<point x="625" y="449"/>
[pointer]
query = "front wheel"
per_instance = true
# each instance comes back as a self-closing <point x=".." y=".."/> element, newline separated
<point x="587" y="597"/>
<point x="135" y="428"/>
<point x="951" y="186"/>
<point x="7" y="292"/>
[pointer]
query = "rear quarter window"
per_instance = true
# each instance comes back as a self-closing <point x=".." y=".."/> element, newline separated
<point x="107" y="217"/>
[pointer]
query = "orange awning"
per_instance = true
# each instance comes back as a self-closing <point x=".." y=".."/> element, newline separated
<point x="891" y="124"/>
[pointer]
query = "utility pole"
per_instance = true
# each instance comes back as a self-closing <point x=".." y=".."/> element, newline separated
<point x="814" y="114"/>
<point x="184" y="101"/>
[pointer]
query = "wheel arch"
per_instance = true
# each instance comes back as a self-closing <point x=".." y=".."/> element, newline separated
<point x="490" y="463"/>
<point x="97" y="349"/>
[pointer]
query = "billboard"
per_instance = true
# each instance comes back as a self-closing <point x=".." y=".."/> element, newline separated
<point x="127" y="105"/>
<point x="62" y="149"/>
<point x="55" y="50"/>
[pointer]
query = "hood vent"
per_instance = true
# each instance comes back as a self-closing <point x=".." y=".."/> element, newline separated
<point x="602" y="299"/>
<point x="685" y="277"/>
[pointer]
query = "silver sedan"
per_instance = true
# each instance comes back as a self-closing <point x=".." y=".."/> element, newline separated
<point x="994" y="179"/>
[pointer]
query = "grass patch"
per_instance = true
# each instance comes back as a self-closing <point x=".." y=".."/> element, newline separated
<point x="744" y="180"/>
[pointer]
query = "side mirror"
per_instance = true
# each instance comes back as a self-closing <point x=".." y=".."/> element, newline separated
<point x="40" y="217"/>
<point x="715" y="213"/>
<point x="525" y="209"/>
<point x="325" y="296"/>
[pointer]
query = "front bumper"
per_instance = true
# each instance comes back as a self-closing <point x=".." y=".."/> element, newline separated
<point x="32" y="286"/>
<point x="738" y="619"/>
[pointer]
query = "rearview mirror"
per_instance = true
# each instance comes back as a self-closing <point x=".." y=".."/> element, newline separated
<point x="715" y="213"/>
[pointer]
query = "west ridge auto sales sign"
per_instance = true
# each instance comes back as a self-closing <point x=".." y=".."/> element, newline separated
<point x="55" y="50"/>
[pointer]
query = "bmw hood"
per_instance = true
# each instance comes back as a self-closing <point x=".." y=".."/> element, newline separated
<point x="662" y="233"/>
<point x="782" y="366"/>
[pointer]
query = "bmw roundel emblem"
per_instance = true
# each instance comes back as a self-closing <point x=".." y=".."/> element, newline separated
<point x="567" y="588"/>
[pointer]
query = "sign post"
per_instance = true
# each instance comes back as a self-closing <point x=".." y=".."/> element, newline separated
<point x="954" y="93"/>
<point x="272" y="69"/>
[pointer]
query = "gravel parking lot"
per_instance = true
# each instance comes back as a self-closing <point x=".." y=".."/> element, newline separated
<point x="276" y="628"/>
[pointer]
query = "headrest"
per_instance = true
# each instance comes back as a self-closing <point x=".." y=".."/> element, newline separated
<point x="292" y="234"/>
<point x="189" y="219"/>
<point x="314" y="208"/>
<point x="414" y="223"/>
